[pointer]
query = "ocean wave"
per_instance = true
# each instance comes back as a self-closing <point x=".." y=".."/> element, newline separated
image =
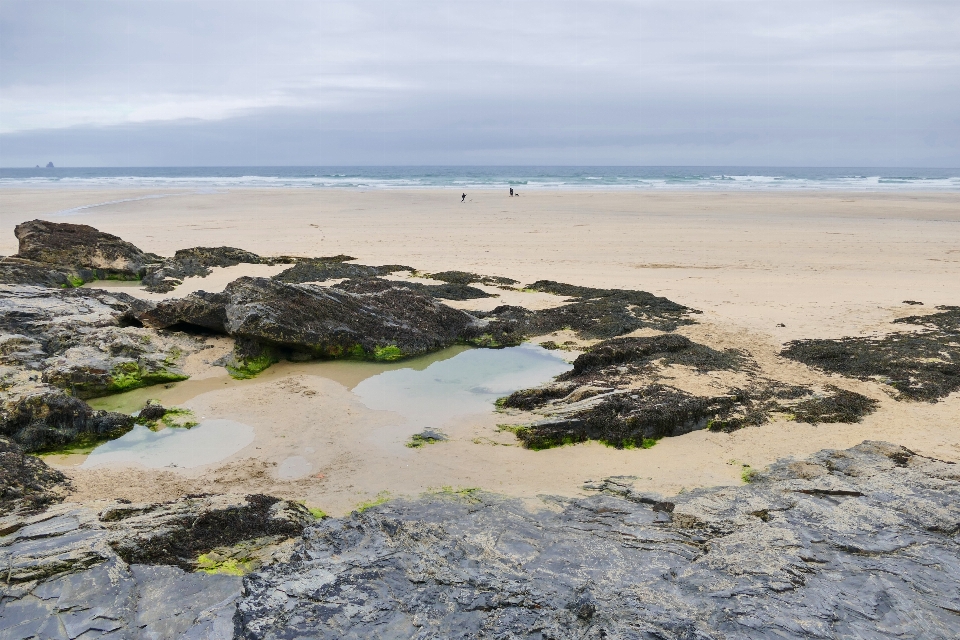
<point x="529" y="178"/>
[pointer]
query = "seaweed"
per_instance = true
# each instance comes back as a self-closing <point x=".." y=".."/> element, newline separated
<point x="594" y="313"/>
<point x="668" y="348"/>
<point x="381" y="498"/>
<point x="599" y="399"/>
<point x="425" y="437"/>
<point x="387" y="353"/>
<point x="839" y="406"/>
<point x="920" y="366"/>
<point x="183" y="546"/>
<point x="251" y="367"/>
<point x="527" y="399"/>
<point x="465" y="278"/>
<point x="322" y="269"/>
<point x="444" y="291"/>
<point x="127" y="376"/>
<point x="627" y="419"/>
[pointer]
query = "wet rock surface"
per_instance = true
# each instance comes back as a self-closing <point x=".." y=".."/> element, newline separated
<point x="65" y="574"/>
<point x="27" y="484"/>
<point x="60" y="346"/>
<point x="918" y="365"/>
<point x="79" y="245"/>
<point x="20" y="271"/>
<point x="315" y="321"/>
<point x="855" y="543"/>
<point x="615" y="394"/>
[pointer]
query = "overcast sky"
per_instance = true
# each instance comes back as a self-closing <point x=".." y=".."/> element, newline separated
<point x="722" y="82"/>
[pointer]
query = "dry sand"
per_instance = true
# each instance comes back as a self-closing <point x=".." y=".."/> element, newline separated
<point x="823" y="264"/>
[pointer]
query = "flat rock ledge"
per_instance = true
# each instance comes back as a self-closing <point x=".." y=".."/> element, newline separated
<point x="859" y="543"/>
<point x="124" y="571"/>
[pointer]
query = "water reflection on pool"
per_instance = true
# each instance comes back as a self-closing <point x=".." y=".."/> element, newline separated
<point x="427" y="392"/>
<point x="209" y="441"/>
<point x="468" y="383"/>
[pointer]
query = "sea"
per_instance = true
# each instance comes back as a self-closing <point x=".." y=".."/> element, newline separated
<point x="520" y="178"/>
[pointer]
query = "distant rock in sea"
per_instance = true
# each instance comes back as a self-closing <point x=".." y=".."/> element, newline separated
<point x="49" y="165"/>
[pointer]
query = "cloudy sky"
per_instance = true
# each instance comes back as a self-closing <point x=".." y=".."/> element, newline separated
<point x="387" y="82"/>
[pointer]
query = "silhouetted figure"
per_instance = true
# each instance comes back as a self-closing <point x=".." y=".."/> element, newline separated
<point x="511" y="192"/>
<point x="463" y="197"/>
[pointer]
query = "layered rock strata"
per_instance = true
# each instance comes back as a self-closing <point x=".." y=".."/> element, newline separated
<point x="138" y="570"/>
<point x="856" y="543"/>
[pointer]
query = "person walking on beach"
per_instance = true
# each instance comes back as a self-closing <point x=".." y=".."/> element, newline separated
<point x="463" y="197"/>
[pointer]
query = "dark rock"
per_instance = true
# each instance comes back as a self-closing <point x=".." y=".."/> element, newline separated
<point x="336" y="267"/>
<point x="465" y="278"/>
<point x="151" y="412"/>
<point x="49" y="419"/>
<point x="613" y="394"/>
<point x="20" y="271"/>
<point x="625" y="418"/>
<point x="443" y="291"/>
<point x="78" y="341"/>
<point x="670" y="348"/>
<point x="592" y="313"/>
<point x="873" y="554"/>
<point x="182" y="537"/>
<point x="922" y="365"/>
<point x="79" y="245"/>
<point x="62" y="575"/>
<point x="320" y="321"/>
<point x="27" y="484"/>
<point x="197" y="262"/>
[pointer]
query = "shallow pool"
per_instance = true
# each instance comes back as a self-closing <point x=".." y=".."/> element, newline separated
<point x="467" y="383"/>
<point x="209" y="441"/>
<point x="429" y="392"/>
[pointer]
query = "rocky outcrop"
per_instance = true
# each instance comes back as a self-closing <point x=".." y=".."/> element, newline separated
<point x="856" y="543"/>
<point x="27" y="484"/>
<point x="20" y="271"/>
<point x="47" y="419"/>
<point x="198" y="262"/>
<point x="313" y="321"/>
<point x="333" y="268"/>
<point x="614" y="394"/>
<point x="466" y="277"/>
<point x="127" y="570"/>
<point x="591" y="313"/>
<point x="59" y="346"/>
<point x="443" y="291"/>
<point x="79" y="245"/>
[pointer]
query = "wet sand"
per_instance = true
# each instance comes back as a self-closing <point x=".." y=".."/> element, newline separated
<point x="823" y="264"/>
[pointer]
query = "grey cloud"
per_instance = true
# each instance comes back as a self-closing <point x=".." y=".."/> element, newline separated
<point x="777" y="82"/>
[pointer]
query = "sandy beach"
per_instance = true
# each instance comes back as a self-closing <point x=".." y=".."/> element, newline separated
<point x="822" y="264"/>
